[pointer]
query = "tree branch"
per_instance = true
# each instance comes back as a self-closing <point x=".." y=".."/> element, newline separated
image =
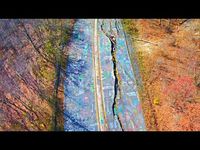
<point x="137" y="39"/>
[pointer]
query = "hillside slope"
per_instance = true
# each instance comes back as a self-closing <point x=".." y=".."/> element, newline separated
<point x="168" y="55"/>
<point x="28" y="73"/>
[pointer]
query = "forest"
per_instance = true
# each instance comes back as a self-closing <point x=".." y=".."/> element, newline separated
<point x="168" y="54"/>
<point x="32" y="62"/>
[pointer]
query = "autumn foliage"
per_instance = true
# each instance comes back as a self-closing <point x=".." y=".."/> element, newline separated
<point x="167" y="51"/>
<point x="27" y="73"/>
<point x="181" y="90"/>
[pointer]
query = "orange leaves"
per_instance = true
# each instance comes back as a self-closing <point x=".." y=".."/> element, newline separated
<point x="180" y="93"/>
<point x="190" y="120"/>
<point x="165" y="118"/>
<point x="183" y="87"/>
<point x="172" y="68"/>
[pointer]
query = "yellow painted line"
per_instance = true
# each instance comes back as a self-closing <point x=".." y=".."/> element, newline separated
<point x="101" y="86"/>
<point x="97" y="109"/>
<point x="98" y="88"/>
<point x="98" y="91"/>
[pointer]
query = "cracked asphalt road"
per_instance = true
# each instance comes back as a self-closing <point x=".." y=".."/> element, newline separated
<point x="90" y="83"/>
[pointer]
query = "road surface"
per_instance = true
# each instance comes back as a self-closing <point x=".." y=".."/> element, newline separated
<point x="100" y="90"/>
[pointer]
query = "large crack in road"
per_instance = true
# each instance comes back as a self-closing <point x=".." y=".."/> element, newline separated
<point x="117" y="89"/>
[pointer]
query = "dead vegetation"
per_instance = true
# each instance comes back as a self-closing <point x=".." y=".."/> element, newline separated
<point x="28" y="74"/>
<point x="169" y="70"/>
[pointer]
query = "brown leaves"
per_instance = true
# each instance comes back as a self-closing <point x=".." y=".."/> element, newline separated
<point x="183" y="88"/>
<point x="175" y="60"/>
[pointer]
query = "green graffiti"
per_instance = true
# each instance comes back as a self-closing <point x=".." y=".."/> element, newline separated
<point x="92" y="87"/>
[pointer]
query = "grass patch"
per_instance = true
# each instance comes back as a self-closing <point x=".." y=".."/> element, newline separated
<point x="130" y="27"/>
